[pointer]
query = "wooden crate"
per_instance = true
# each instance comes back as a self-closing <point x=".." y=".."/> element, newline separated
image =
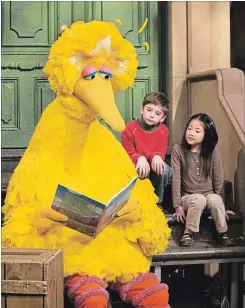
<point x="32" y="278"/>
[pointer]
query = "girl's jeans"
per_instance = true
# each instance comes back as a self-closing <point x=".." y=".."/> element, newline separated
<point x="195" y="204"/>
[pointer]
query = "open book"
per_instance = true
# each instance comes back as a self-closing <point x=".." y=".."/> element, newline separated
<point x="87" y="215"/>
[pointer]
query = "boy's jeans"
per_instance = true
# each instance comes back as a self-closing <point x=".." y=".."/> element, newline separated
<point x="160" y="182"/>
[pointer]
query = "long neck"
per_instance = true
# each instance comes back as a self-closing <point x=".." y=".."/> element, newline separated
<point x="76" y="134"/>
<point x="79" y="116"/>
<point x="76" y="109"/>
<point x="61" y="135"/>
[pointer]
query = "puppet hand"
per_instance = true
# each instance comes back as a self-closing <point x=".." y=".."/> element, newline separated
<point x="130" y="212"/>
<point x="46" y="218"/>
<point x="148" y="248"/>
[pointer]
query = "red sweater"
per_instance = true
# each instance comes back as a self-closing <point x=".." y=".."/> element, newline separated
<point x="138" y="142"/>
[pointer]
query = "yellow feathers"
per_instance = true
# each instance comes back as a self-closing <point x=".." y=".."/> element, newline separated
<point x="96" y="179"/>
<point x="118" y="20"/>
<point x="63" y="28"/>
<point x="147" y="46"/>
<point x="69" y="147"/>
<point x="80" y="46"/>
<point x="143" y="26"/>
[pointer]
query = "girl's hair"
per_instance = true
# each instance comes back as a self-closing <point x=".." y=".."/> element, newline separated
<point x="208" y="144"/>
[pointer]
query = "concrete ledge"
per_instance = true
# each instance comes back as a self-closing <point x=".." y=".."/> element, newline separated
<point x="200" y="252"/>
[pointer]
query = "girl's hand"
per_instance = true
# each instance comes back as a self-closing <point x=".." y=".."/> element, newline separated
<point x="157" y="164"/>
<point x="142" y="167"/>
<point x="180" y="214"/>
<point x="230" y="213"/>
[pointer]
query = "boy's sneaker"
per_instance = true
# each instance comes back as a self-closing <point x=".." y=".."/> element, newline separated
<point x="225" y="240"/>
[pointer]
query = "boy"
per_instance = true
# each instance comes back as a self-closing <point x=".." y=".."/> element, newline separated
<point x="146" y="142"/>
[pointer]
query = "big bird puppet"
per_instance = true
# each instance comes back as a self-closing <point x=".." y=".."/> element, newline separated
<point x="86" y="65"/>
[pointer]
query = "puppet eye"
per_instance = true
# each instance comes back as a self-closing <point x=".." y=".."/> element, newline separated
<point x="105" y="72"/>
<point x="89" y="72"/>
<point x="90" y="76"/>
<point x="105" y="75"/>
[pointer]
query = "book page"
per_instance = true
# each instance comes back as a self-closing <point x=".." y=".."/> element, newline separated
<point x="115" y="204"/>
<point x="83" y="212"/>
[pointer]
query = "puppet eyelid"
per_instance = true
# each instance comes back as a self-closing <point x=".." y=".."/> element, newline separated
<point x="104" y="72"/>
<point x="105" y="75"/>
<point x="90" y="74"/>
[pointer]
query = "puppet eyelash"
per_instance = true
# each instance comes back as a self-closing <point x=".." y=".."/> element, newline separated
<point x="105" y="75"/>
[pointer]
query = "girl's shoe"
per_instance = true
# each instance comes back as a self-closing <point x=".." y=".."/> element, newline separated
<point x="225" y="240"/>
<point x="186" y="240"/>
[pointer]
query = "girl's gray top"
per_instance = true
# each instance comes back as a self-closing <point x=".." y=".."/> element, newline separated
<point x="193" y="180"/>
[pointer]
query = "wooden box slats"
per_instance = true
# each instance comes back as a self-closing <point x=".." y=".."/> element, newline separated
<point x="32" y="278"/>
<point x="24" y="287"/>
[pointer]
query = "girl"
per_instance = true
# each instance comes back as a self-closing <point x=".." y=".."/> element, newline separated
<point x="197" y="179"/>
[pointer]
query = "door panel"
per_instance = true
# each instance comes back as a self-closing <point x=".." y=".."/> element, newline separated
<point x="23" y="28"/>
<point x="28" y="31"/>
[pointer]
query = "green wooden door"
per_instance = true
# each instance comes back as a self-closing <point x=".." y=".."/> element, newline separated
<point x="28" y="31"/>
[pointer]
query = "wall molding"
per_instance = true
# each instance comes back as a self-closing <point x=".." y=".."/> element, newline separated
<point x="23" y="66"/>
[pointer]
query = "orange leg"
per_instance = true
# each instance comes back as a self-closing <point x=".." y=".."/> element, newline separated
<point x="145" y="291"/>
<point x="87" y="291"/>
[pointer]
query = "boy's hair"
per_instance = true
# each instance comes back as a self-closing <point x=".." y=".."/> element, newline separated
<point x="157" y="99"/>
<point x="208" y="144"/>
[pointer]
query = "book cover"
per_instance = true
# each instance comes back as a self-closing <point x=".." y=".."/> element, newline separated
<point x="87" y="215"/>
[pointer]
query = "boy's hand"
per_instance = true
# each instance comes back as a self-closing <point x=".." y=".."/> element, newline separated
<point x="142" y="167"/>
<point x="157" y="164"/>
<point x="180" y="214"/>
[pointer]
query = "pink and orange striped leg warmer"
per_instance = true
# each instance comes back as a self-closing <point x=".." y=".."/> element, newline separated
<point x="87" y="291"/>
<point x="145" y="291"/>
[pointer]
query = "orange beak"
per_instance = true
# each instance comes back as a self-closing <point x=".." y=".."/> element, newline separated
<point x="99" y="95"/>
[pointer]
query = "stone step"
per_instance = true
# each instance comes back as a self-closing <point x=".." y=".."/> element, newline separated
<point x="207" y="231"/>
